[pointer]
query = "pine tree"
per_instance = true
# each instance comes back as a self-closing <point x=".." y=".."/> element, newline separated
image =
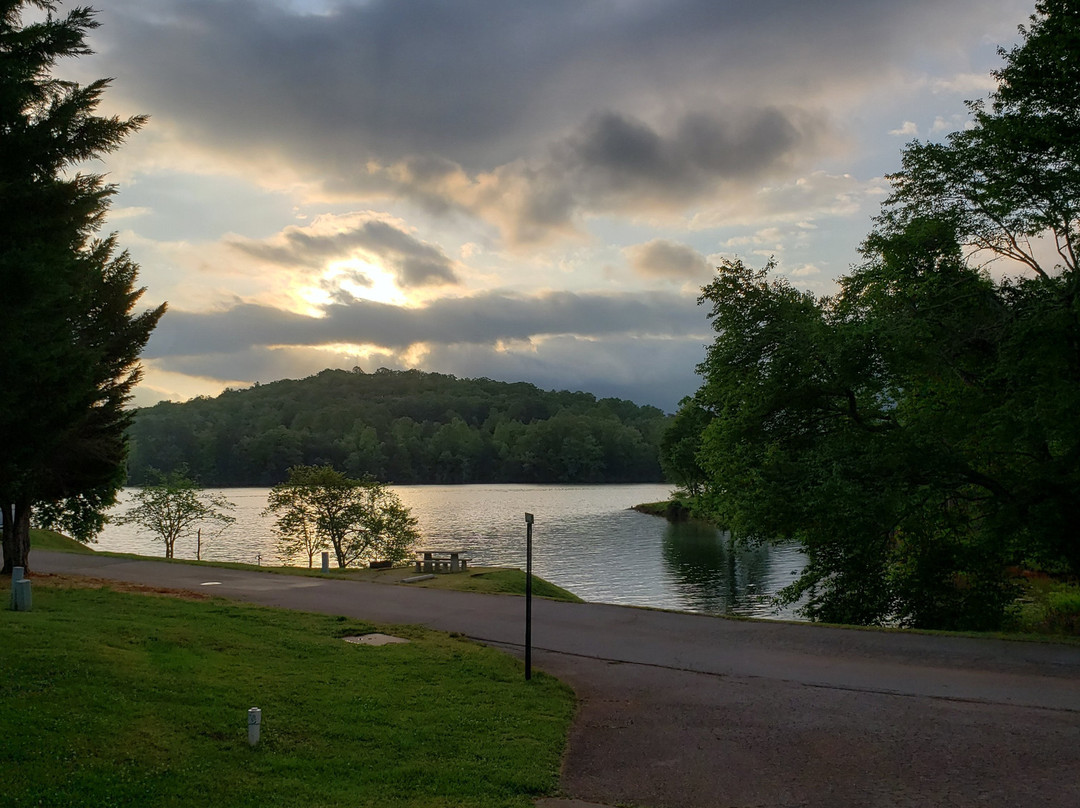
<point x="69" y="338"/>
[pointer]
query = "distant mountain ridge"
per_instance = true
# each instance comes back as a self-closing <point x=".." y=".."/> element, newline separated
<point x="399" y="426"/>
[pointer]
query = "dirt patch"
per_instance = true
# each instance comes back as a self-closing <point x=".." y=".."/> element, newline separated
<point x="64" y="581"/>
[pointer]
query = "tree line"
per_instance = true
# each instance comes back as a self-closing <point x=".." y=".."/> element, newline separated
<point x="399" y="426"/>
<point x="918" y="431"/>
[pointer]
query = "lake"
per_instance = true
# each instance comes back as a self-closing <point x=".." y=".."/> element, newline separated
<point x="585" y="539"/>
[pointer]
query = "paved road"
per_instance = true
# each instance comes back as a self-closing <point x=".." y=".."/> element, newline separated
<point x="685" y="710"/>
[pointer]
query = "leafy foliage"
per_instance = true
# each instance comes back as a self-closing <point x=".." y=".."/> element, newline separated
<point x="404" y="426"/>
<point x="681" y="445"/>
<point x="68" y="327"/>
<point x="917" y="432"/>
<point x="319" y="507"/>
<point x="174" y="507"/>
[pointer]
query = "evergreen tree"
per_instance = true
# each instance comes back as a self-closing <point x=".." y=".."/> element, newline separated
<point x="69" y="339"/>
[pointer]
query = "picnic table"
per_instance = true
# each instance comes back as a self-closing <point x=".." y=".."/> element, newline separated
<point x="441" y="561"/>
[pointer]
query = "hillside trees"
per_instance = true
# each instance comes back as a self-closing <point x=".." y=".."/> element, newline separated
<point x="69" y="336"/>
<point x="917" y="431"/>
<point x="404" y="426"/>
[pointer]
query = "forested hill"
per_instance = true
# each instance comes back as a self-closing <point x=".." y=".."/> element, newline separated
<point x="402" y="427"/>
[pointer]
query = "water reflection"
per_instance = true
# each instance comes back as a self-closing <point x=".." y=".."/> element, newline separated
<point x="714" y="574"/>
<point x="586" y="539"/>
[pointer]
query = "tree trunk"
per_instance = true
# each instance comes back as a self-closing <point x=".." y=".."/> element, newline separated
<point x="7" y="521"/>
<point x="16" y="537"/>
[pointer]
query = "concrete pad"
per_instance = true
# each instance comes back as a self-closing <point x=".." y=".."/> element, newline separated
<point x="374" y="639"/>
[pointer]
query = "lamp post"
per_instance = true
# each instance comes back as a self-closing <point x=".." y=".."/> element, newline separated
<point x="528" y="596"/>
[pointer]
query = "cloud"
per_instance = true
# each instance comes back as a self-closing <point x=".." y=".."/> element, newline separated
<point x="484" y="125"/>
<point x="532" y="115"/>
<point x="367" y="235"/>
<point x="474" y="81"/>
<point x="909" y="129"/>
<point x="647" y="370"/>
<point x="661" y="258"/>
<point x="485" y="319"/>
<point x="638" y="346"/>
<point x="615" y="163"/>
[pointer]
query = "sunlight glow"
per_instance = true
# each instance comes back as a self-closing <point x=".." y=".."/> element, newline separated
<point x="362" y="280"/>
<point x="344" y="281"/>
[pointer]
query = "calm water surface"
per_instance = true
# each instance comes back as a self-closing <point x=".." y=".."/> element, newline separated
<point x="585" y="539"/>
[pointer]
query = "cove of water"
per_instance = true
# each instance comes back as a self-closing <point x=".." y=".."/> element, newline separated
<point x="585" y="539"/>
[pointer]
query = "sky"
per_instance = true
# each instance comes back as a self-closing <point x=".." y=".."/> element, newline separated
<point x="524" y="191"/>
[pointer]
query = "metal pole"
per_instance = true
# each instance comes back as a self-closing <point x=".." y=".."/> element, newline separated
<point x="528" y="595"/>
<point x="254" y="722"/>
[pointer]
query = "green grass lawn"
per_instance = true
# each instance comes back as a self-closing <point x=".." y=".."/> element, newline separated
<point x="1047" y="607"/>
<point x="51" y="540"/>
<point x="117" y="699"/>
<point x="491" y="580"/>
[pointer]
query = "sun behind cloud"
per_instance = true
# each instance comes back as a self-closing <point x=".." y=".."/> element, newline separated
<point x="359" y="279"/>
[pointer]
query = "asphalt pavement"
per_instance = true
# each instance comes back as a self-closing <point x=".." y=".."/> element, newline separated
<point x="689" y="710"/>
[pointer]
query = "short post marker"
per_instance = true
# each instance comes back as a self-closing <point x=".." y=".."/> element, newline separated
<point x="326" y="561"/>
<point x="17" y="574"/>
<point x="254" y="722"/>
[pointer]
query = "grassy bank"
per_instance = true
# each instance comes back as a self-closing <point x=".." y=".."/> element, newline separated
<point x="115" y="699"/>
<point x="670" y="509"/>
<point x="491" y="580"/>
<point x="51" y="540"/>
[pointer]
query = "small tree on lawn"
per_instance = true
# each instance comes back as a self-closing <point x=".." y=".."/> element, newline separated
<point x="296" y="524"/>
<point x="319" y="507"/>
<point x="175" y="507"/>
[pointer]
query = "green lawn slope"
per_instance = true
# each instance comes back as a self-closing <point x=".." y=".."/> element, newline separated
<point x="121" y="699"/>
<point x="51" y="540"/>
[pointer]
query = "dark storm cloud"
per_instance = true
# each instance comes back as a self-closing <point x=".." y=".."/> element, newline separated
<point x="619" y="164"/>
<point x="481" y="83"/>
<point x="479" y="320"/>
<point x="621" y="155"/>
<point x="413" y="262"/>
<point x="661" y="258"/>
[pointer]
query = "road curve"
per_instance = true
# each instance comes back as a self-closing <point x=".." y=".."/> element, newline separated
<point x="688" y="710"/>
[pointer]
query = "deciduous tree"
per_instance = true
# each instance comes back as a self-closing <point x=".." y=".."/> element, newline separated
<point x="320" y="507"/>
<point x="174" y="507"/>
<point x="917" y="432"/>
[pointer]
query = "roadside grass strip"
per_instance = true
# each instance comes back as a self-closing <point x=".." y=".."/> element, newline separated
<point x="118" y="699"/>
